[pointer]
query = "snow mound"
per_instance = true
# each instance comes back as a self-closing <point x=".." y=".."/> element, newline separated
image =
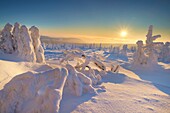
<point x="33" y="92"/>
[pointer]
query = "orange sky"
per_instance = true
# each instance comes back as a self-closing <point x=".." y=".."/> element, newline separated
<point x="105" y="35"/>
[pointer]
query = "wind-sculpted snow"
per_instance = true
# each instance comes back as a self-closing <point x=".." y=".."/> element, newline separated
<point x="34" y="92"/>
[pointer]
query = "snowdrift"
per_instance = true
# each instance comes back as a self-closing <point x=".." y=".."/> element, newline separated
<point x="34" y="92"/>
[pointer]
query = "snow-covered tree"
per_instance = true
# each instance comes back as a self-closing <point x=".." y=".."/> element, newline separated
<point x="152" y="57"/>
<point x="123" y="52"/>
<point x="28" y="49"/>
<point x="6" y="44"/>
<point x="165" y="53"/>
<point x="139" y="57"/>
<point x="38" y="49"/>
<point x="18" y="46"/>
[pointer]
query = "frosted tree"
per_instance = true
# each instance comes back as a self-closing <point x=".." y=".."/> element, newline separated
<point x="124" y="50"/>
<point x="152" y="57"/>
<point x="18" y="45"/>
<point x="139" y="57"/>
<point x="6" y="44"/>
<point x="165" y="53"/>
<point x="28" y="49"/>
<point x="39" y="51"/>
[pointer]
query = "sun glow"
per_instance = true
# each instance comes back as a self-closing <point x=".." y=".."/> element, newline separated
<point x="123" y="33"/>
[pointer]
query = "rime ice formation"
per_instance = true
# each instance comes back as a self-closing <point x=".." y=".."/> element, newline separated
<point x="139" y="57"/>
<point x="34" y="92"/>
<point x="78" y="82"/>
<point x="28" y="49"/>
<point x="152" y="57"/>
<point x="39" y="51"/>
<point x="6" y="44"/>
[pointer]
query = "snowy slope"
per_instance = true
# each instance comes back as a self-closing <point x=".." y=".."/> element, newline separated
<point x="122" y="94"/>
<point x="11" y="66"/>
<point x="129" y="91"/>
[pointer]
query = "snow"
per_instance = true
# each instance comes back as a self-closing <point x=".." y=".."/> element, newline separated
<point x="34" y="92"/>
<point x="86" y="79"/>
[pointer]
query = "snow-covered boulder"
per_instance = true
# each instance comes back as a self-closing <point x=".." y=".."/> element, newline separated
<point x="6" y="44"/>
<point x="34" y="92"/>
<point x="28" y="49"/>
<point x="38" y="49"/>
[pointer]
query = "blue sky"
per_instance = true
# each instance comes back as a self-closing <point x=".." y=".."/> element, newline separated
<point x="89" y="18"/>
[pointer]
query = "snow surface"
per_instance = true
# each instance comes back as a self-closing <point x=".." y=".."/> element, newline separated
<point x="127" y="91"/>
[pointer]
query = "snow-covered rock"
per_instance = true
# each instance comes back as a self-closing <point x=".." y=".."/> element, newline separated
<point x="34" y="92"/>
<point x="38" y="49"/>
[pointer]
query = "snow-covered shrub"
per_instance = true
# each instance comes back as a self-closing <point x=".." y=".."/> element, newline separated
<point x="34" y="92"/>
<point x="77" y="82"/>
<point x="38" y="49"/>
<point x="89" y="72"/>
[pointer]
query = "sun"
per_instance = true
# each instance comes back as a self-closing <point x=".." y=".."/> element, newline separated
<point x="123" y="33"/>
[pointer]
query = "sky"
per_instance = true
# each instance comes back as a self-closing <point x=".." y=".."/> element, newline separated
<point x="100" y="21"/>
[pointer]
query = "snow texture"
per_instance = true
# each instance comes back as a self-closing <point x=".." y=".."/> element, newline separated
<point x="34" y="92"/>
